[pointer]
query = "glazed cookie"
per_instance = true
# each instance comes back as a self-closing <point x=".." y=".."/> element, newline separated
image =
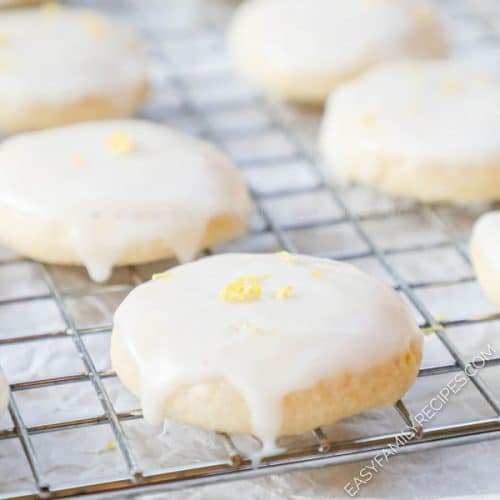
<point x="62" y="65"/>
<point x="4" y="393"/>
<point x="485" y="254"/>
<point x="301" y="50"/>
<point x="270" y="344"/>
<point x="116" y="192"/>
<point x="427" y="130"/>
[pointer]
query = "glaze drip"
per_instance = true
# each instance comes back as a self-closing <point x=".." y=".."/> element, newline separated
<point x="180" y="333"/>
<point x="153" y="186"/>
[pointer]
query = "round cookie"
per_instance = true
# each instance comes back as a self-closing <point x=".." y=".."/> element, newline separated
<point x="269" y="344"/>
<point x="62" y="65"/>
<point x="116" y="192"/>
<point x="427" y="130"/>
<point x="4" y="393"/>
<point x="485" y="254"/>
<point x="301" y="50"/>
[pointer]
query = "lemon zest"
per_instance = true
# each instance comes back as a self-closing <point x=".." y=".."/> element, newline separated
<point x="287" y="257"/>
<point x="120" y="143"/>
<point x="245" y="288"/>
<point x="161" y="276"/>
<point x="111" y="445"/>
<point x="248" y="327"/>
<point x="284" y="292"/>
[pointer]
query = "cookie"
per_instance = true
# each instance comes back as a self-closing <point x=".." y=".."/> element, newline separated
<point x="485" y="254"/>
<point x="427" y="130"/>
<point x="61" y="65"/>
<point x="269" y="344"/>
<point x="300" y="50"/>
<point x="116" y="192"/>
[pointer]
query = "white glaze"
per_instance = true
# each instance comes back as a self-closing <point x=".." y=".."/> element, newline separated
<point x="328" y="36"/>
<point x="445" y="113"/>
<point x="486" y="238"/>
<point x="4" y="393"/>
<point x="179" y="330"/>
<point x="65" y="55"/>
<point x="167" y="187"/>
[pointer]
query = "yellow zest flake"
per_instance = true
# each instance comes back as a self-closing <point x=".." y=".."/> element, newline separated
<point x="440" y="318"/>
<point x="94" y="25"/>
<point x="450" y="87"/>
<point x="243" y="289"/>
<point x="316" y="273"/>
<point x="287" y="257"/>
<point x="111" y="445"/>
<point x="120" y="143"/>
<point x="366" y="120"/>
<point x="161" y="276"/>
<point x="248" y="327"/>
<point x="432" y="329"/>
<point x="50" y="7"/>
<point x="77" y="161"/>
<point x="284" y="292"/>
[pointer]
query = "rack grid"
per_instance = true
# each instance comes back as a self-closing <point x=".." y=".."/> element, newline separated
<point x="180" y="55"/>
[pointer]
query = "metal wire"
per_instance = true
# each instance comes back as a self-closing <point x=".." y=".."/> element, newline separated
<point x="236" y="465"/>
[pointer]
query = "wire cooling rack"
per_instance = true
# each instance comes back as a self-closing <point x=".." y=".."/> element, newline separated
<point x="194" y="89"/>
